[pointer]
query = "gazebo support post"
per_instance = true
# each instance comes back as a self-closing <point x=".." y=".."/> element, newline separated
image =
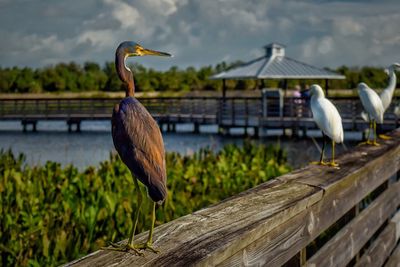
<point x="223" y="89"/>
<point x="285" y="86"/>
<point x="326" y="87"/>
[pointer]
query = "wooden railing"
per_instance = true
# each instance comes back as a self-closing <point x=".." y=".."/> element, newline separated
<point x="224" y="112"/>
<point x="231" y="107"/>
<point x="315" y="216"/>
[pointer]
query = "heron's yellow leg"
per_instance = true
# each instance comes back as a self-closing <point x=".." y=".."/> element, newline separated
<point x="136" y="219"/>
<point x="369" y="130"/>
<point x="333" y="163"/>
<point x="149" y="244"/>
<point x="374" y="142"/>
<point x="368" y="142"/>
<point x="130" y="246"/>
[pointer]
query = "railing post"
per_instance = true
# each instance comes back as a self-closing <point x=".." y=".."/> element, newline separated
<point x="2" y="108"/>
<point x="233" y="110"/>
<point x="246" y="103"/>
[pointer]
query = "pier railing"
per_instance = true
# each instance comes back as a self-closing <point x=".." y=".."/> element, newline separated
<point x="315" y="216"/>
<point x="225" y="112"/>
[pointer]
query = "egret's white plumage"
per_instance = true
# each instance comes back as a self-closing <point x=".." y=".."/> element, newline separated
<point x="328" y="119"/>
<point x="325" y="115"/>
<point x="387" y="94"/>
<point x="371" y="102"/>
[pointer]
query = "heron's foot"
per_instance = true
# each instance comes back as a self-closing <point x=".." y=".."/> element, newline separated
<point x="322" y="163"/>
<point x="368" y="142"/>
<point x="333" y="164"/>
<point x="124" y="248"/>
<point x="374" y="143"/>
<point x="384" y="137"/>
<point x="146" y="246"/>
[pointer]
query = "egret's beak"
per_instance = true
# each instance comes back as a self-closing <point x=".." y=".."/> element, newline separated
<point x="397" y="65"/>
<point x="149" y="52"/>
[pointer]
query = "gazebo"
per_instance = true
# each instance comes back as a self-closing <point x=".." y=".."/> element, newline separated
<point x="275" y="65"/>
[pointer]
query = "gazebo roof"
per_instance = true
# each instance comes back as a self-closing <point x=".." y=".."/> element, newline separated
<point x="275" y="65"/>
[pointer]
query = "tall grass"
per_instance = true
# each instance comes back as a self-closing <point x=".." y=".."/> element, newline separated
<point x="51" y="215"/>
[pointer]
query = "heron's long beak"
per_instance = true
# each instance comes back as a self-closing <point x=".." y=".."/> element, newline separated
<point x="150" y="52"/>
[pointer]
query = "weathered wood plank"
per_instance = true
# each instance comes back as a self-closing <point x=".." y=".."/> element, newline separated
<point x="394" y="259"/>
<point x="381" y="248"/>
<point x="342" y="194"/>
<point x="249" y="214"/>
<point x="341" y="249"/>
<point x="285" y="214"/>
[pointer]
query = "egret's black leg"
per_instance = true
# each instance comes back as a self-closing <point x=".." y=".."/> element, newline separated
<point x="370" y="129"/>
<point x="321" y="160"/>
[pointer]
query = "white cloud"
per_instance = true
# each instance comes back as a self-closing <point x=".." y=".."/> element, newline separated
<point x="346" y="26"/>
<point x="200" y="33"/>
<point x="165" y="7"/>
<point x="98" y="38"/>
<point x="126" y="14"/>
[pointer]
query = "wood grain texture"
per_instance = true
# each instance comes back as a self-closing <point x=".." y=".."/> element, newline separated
<point x="342" y="194"/>
<point x="341" y="249"/>
<point x="394" y="259"/>
<point x="380" y="249"/>
<point x="269" y="224"/>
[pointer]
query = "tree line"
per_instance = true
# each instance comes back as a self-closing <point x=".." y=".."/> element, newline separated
<point x="73" y="77"/>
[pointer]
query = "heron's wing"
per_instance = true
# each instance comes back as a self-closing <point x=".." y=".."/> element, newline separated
<point x="386" y="98"/>
<point x="328" y="119"/>
<point x="372" y="104"/>
<point x="139" y="143"/>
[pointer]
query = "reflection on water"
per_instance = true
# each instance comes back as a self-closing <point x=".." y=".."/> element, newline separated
<point x="94" y="143"/>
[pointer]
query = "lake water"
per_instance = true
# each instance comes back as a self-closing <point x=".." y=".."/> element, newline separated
<point x="94" y="143"/>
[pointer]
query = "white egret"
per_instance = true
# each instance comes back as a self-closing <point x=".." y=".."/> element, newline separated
<point x="373" y="107"/>
<point x="387" y="94"/>
<point x="328" y="119"/>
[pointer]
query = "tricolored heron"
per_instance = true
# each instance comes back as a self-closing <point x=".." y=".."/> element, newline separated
<point x="385" y="96"/>
<point x="327" y="117"/>
<point x="138" y="141"/>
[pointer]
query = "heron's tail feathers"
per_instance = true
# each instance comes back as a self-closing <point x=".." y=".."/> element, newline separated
<point x="157" y="191"/>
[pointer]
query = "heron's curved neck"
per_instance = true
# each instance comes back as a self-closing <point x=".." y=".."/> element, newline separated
<point x="318" y="93"/>
<point x="124" y="73"/>
<point x="392" y="80"/>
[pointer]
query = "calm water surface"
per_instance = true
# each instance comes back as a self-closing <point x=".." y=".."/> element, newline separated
<point x="94" y="143"/>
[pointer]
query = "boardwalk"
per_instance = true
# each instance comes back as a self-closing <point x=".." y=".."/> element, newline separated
<point x="227" y="113"/>
<point x="314" y="216"/>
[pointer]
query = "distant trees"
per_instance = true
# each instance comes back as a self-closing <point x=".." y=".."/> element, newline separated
<point x="72" y="77"/>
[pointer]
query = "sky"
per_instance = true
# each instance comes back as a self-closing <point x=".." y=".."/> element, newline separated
<point x="199" y="32"/>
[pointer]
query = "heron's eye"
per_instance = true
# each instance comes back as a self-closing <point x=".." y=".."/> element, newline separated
<point x="138" y="50"/>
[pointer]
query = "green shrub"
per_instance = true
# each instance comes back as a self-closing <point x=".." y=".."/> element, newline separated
<point x="51" y="215"/>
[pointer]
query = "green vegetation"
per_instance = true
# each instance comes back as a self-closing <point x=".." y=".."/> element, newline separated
<point x="72" y="77"/>
<point x="51" y="214"/>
